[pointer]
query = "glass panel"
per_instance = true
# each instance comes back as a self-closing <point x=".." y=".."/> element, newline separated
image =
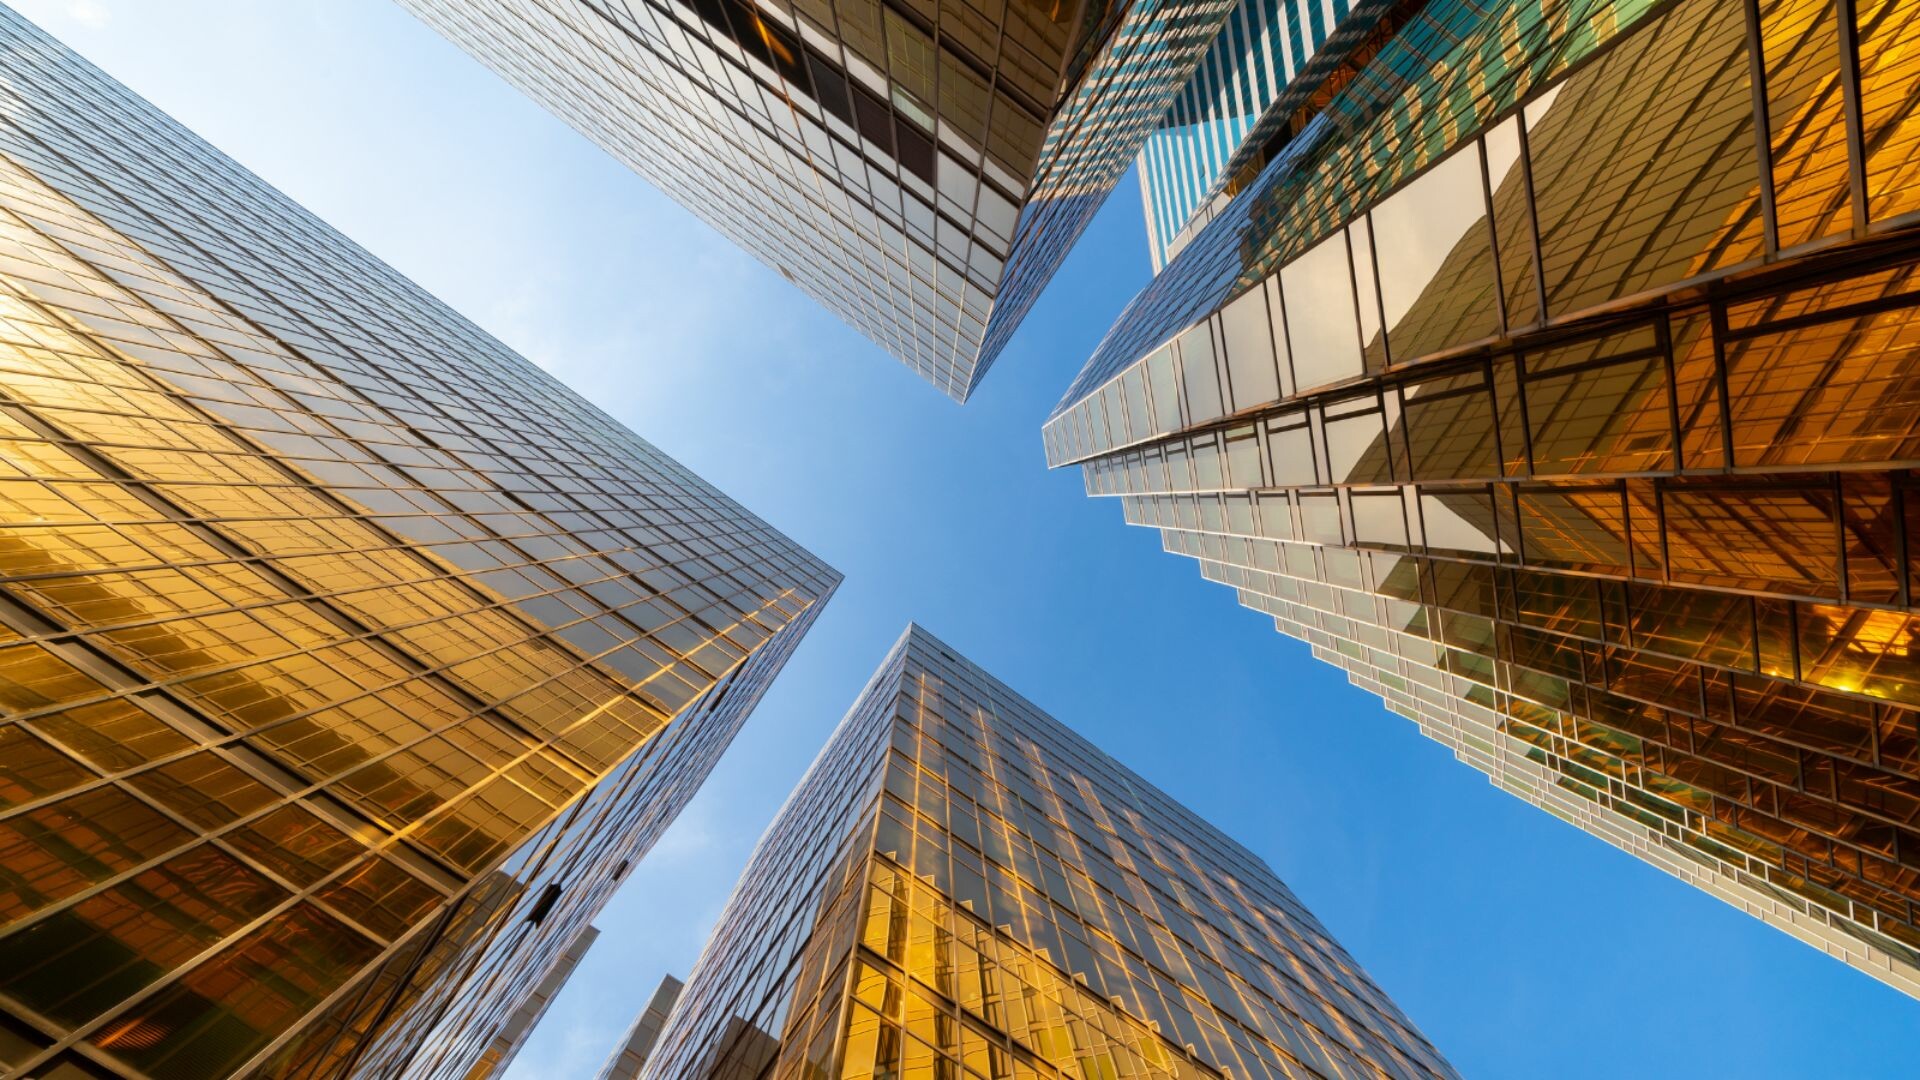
<point x="1575" y="529"/>
<point x="113" y="734"/>
<point x="1290" y="451"/>
<point x="224" y="1011"/>
<point x="1247" y="334"/>
<point x="1436" y="260"/>
<point x="1696" y="387"/>
<point x="31" y="770"/>
<point x="1890" y="125"/>
<point x="1197" y="373"/>
<point x="1282" y="359"/>
<point x="1827" y="393"/>
<point x="1133" y="390"/>
<point x="1243" y="459"/>
<point x="1360" y="244"/>
<point x="1164" y="385"/>
<point x="381" y="897"/>
<point x="204" y="788"/>
<point x="1450" y="428"/>
<point x="1633" y="198"/>
<point x="60" y="849"/>
<point x="1357" y="446"/>
<point x="295" y="844"/>
<point x="1321" y="326"/>
<point x="1378" y="518"/>
<point x="1599" y="406"/>
<point x="77" y="963"/>
<point x="1764" y="537"/>
<point x="1806" y="118"/>
<point x="1460" y="521"/>
<point x="1512" y="223"/>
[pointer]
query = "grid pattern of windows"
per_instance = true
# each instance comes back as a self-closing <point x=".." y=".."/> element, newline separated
<point x="1262" y="46"/>
<point x="1587" y="444"/>
<point x="961" y="886"/>
<point x="632" y="1054"/>
<point x="914" y="166"/>
<point x="333" y="636"/>
<point x="506" y="1044"/>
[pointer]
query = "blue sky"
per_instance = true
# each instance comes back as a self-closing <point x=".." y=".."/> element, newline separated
<point x="1521" y="946"/>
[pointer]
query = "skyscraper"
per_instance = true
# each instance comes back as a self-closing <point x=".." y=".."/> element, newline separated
<point x="1263" y="47"/>
<point x="921" y="169"/>
<point x="961" y="882"/>
<point x="1553" y="373"/>
<point x="631" y="1056"/>
<point x="346" y="659"/>
<point x="512" y="1035"/>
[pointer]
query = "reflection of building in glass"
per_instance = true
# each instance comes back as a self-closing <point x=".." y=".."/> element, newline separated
<point x="631" y="1057"/>
<point x="962" y="882"/>
<point x="346" y="659"/>
<point x="921" y="169"/>
<point x="512" y="1035"/>
<point x="1575" y="440"/>
<point x="1262" y="47"/>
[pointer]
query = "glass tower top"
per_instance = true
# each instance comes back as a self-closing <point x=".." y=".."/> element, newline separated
<point x="961" y="886"/>
<point x="919" y="168"/>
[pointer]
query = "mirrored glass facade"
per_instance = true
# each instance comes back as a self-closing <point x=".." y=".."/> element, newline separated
<point x="963" y="887"/>
<point x="346" y="659"/>
<point x="919" y="168"/>
<point x="1262" y="47"/>
<point x="507" y="1042"/>
<point x="1556" y="379"/>
<point x="637" y="1047"/>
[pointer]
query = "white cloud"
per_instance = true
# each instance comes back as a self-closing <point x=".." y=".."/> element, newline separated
<point x="88" y="12"/>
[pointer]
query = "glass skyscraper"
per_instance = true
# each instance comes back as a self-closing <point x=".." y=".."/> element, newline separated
<point x="961" y="886"/>
<point x="637" y="1047"/>
<point x="1263" y="46"/>
<point x="1552" y="371"/>
<point x="919" y="168"/>
<point x="347" y="660"/>
<point x="511" y="1036"/>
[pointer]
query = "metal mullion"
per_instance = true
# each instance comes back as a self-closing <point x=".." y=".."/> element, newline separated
<point x="1763" y="125"/>
<point x="1846" y="18"/>
<point x="1520" y="380"/>
<point x="1839" y="511"/>
<point x="1533" y="218"/>
<point x="1663" y="336"/>
<point x="1902" y="545"/>
<point x="1717" y="313"/>
<point x="1860" y="310"/>
<point x="1660" y="523"/>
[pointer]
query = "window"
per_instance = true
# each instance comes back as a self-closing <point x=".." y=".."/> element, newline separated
<point x="1321" y="326"/>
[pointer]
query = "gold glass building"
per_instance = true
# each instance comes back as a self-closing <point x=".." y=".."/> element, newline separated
<point x="347" y="660"/>
<point x="963" y="887"/>
<point x="919" y="168"/>
<point x="1553" y="371"/>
